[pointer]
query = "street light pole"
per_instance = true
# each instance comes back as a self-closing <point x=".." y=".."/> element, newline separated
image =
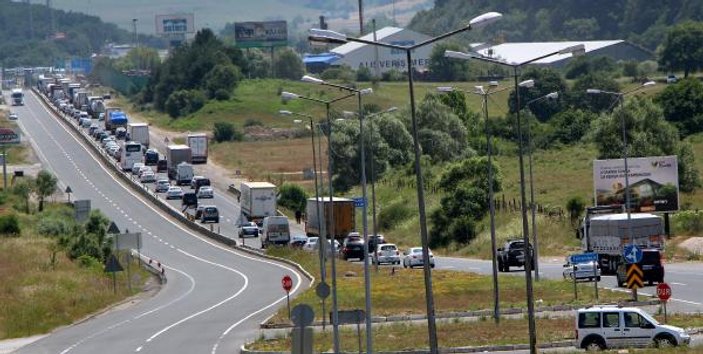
<point x="574" y="50"/>
<point x="335" y="37"/>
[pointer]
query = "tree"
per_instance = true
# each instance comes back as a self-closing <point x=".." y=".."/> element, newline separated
<point x="587" y="65"/>
<point x="571" y="125"/>
<point x="441" y="133"/>
<point x="23" y="189"/>
<point x="347" y="151"/>
<point x="575" y="206"/>
<point x="225" y="131"/>
<point x="546" y="81"/>
<point x="44" y="186"/>
<point x="293" y="197"/>
<point x="682" y="104"/>
<point x="648" y="134"/>
<point x="221" y="80"/>
<point x="682" y="49"/>
<point x="580" y="99"/>
<point x="184" y="102"/>
<point x="447" y="69"/>
<point x="289" y="65"/>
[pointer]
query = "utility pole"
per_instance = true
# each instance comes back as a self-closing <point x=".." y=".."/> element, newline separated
<point x="361" y="18"/>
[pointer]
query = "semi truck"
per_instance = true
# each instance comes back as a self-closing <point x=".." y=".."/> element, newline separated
<point x="17" y="97"/>
<point x="96" y="107"/>
<point x="198" y="147"/>
<point x="608" y="234"/>
<point x="257" y="200"/>
<point x="175" y="156"/>
<point x="139" y="132"/>
<point x="114" y="120"/>
<point x="344" y="216"/>
<point x="80" y="99"/>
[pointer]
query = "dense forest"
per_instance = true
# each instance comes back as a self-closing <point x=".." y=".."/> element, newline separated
<point x="643" y="22"/>
<point x="27" y="38"/>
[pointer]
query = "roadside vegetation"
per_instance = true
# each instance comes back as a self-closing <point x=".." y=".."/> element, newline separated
<point x="52" y="266"/>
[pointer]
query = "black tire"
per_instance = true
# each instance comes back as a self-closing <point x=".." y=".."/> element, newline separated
<point x="593" y="344"/>
<point x="665" y="341"/>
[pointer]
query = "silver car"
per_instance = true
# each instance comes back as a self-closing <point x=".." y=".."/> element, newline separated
<point x="413" y="257"/>
<point x="586" y="271"/>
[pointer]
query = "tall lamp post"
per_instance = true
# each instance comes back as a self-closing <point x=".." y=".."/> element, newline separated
<point x="374" y="225"/>
<point x="286" y="96"/>
<point x="479" y="90"/>
<point x="574" y="50"/>
<point x="328" y="36"/>
<point x="364" y="216"/>
<point x="620" y="99"/>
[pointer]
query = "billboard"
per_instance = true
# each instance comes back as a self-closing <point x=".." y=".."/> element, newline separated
<point x="9" y="136"/>
<point x="654" y="183"/>
<point x="261" y="34"/>
<point x="174" y="24"/>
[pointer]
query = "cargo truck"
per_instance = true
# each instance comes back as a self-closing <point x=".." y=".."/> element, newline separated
<point x="96" y="107"/>
<point x="114" y="120"/>
<point x="175" y="155"/>
<point x="139" y="132"/>
<point x="257" y="200"/>
<point x="608" y="234"/>
<point x="80" y="99"/>
<point x="72" y="89"/>
<point x="17" y="97"/>
<point x="344" y="216"/>
<point x="198" y="147"/>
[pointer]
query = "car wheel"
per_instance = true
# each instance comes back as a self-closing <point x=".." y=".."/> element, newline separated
<point x="665" y="341"/>
<point x="432" y="265"/>
<point x="594" y="344"/>
<point x="404" y="265"/>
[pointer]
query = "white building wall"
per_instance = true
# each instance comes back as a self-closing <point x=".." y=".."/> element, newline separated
<point x="389" y="59"/>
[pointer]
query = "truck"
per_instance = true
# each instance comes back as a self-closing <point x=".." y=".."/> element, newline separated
<point x="17" y="97"/>
<point x="72" y="89"/>
<point x="114" y="120"/>
<point x="80" y="99"/>
<point x="512" y="254"/>
<point x="257" y="200"/>
<point x="198" y="147"/>
<point x="139" y="132"/>
<point x="175" y="155"/>
<point x="96" y="107"/>
<point x="608" y="234"/>
<point x="344" y="216"/>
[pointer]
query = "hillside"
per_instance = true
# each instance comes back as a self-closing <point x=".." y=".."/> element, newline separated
<point x="639" y="21"/>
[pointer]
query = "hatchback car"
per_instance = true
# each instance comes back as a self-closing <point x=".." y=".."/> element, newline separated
<point x="248" y="229"/>
<point x="386" y="253"/>
<point x="412" y="257"/>
<point x="205" y="192"/>
<point x="605" y="327"/>
<point x="199" y="181"/>
<point x="162" y="185"/>
<point x="174" y="192"/>
<point x="147" y="177"/>
<point x="584" y="271"/>
<point x="311" y="245"/>
<point x="136" y="167"/>
<point x="210" y="214"/>
<point x="353" y="247"/>
<point x="143" y="169"/>
<point x="13" y="116"/>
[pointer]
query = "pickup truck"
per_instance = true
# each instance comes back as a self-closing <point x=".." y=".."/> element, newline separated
<point x="512" y="254"/>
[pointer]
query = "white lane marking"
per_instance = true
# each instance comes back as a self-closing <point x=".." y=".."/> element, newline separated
<point x="674" y="283"/>
<point x="244" y="287"/>
<point x="138" y="349"/>
<point x="174" y="223"/>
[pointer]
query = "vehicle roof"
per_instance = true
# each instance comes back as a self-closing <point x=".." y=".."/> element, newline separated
<point x="600" y="308"/>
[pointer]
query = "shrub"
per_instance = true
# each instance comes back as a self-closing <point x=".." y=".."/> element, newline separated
<point x="392" y="215"/>
<point x="688" y="221"/>
<point x="392" y="75"/>
<point x="292" y="197"/>
<point x="250" y="122"/>
<point x="184" y="102"/>
<point x="53" y="226"/>
<point x="86" y="261"/>
<point x="9" y="225"/>
<point x="225" y="131"/>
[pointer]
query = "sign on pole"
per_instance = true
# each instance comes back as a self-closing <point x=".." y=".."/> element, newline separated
<point x="9" y="136"/>
<point x="129" y="241"/>
<point x="81" y="209"/>
<point x="261" y="34"/>
<point x="359" y="202"/>
<point x="583" y="257"/>
<point x="287" y="283"/>
<point x="632" y="254"/>
<point x="634" y="276"/>
<point x="664" y="293"/>
<point x="654" y="183"/>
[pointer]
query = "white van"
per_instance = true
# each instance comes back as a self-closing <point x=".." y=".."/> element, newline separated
<point x="275" y="231"/>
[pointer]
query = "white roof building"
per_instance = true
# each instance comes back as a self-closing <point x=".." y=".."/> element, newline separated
<point x="521" y="52"/>
<point x="358" y="55"/>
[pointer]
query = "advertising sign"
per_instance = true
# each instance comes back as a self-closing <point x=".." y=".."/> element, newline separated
<point x="654" y="183"/>
<point x="9" y="136"/>
<point x="261" y="34"/>
<point x="174" y="24"/>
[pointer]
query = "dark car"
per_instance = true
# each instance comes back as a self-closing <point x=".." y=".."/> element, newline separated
<point x="210" y="213"/>
<point x="161" y="166"/>
<point x="353" y="247"/>
<point x="375" y="240"/>
<point x="651" y="266"/>
<point x="199" y="181"/>
<point x="151" y="157"/>
<point x="512" y="254"/>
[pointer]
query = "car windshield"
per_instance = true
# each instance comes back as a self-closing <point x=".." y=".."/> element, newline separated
<point x="387" y="248"/>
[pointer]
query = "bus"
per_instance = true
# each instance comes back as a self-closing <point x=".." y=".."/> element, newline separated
<point x="17" y="97"/>
<point x="131" y="153"/>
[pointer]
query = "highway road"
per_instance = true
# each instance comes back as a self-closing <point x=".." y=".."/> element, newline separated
<point x="684" y="279"/>
<point x="215" y="296"/>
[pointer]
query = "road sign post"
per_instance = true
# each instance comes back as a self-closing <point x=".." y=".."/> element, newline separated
<point x="302" y="316"/>
<point x="632" y="255"/>
<point x="664" y="293"/>
<point x="586" y="257"/>
<point x="323" y="292"/>
<point x="287" y="283"/>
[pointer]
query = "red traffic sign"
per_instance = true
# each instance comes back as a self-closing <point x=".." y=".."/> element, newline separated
<point x="663" y="291"/>
<point x="287" y="283"/>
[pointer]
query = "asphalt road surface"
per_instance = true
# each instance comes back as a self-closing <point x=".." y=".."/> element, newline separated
<point x="215" y="296"/>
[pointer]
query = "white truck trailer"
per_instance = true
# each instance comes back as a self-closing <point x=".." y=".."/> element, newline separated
<point x="198" y="147"/>
<point x="139" y="132"/>
<point x="258" y="200"/>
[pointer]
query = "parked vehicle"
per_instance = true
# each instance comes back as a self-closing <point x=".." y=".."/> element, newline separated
<point x="311" y="244"/>
<point x="671" y="79"/>
<point x="606" y="327"/>
<point x="586" y="271"/>
<point x="412" y="257"/>
<point x="138" y="132"/>
<point x="174" y="192"/>
<point x="210" y="214"/>
<point x="353" y="247"/>
<point x="651" y="266"/>
<point x="386" y="253"/>
<point x="248" y="229"/>
<point x="198" y="145"/>
<point x="162" y="185"/>
<point x="512" y="254"/>
<point x="257" y="200"/>
<point x="275" y="231"/>
<point x="205" y="192"/>
<point x="344" y="216"/>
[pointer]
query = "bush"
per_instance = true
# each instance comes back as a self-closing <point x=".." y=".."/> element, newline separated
<point x="53" y="226"/>
<point x="86" y="261"/>
<point x="222" y="95"/>
<point x="343" y="73"/>
<point x="225" y="131"/>
<point x="293" y="197"/>
<point x="688" y="222"/>
<point x="184" y="102"/>
<point x="392" y="75"/>
<point x="364" y="74"/>
<point x="251" y="122"/>
<point x="392" y="215"/>
<point x="9" y="225"/>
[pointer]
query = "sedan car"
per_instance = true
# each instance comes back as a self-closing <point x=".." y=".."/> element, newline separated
<point x="147" y="177"/>
<point x="311" y="245"/>
<point x="162" y="185"/>
<point x="386" y="253"/>
<point x="13" y="116"/>
<point x="174" y="192"/>
<point x="248" y="229"/>
<point x="135" y="168"/>
<point x="586" y="271"/>
<point x="353" y="246"/>
<point x="205" y="192"/>
<point x="412" y="257"/>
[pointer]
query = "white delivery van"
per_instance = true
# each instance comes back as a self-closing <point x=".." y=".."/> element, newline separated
<point x="275" y="231"/>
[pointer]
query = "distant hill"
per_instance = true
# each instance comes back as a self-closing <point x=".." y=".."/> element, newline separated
<point x="640" y="21"/>
<point x="26" y="40"/>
